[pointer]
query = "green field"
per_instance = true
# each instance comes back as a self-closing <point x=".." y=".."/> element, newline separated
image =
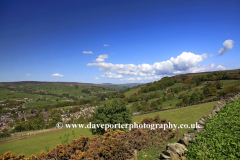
<point x="40" y="103"/>
<point x="35" y="144"/>
<point x="187" y="115"/>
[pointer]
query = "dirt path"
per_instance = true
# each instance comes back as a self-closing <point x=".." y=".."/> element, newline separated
<point x="24" y="137"/>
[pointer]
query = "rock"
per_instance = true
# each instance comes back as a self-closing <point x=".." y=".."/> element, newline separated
<point x="185" y="140"/>
<point x="174" y="156"/>
<point x="163" y="156"/>
<point x="183" y="158"/>
<point x="201" y="127"/>
<point x="202" y="119"/>
<point x="214" y="112"/>
<point x="217" y="108"/>
<point x="194" y="132"/>
<point x="177" y="148"/>
<point x="201" y="122"/>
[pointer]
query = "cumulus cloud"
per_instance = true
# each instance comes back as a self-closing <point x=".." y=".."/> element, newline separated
<point x="96" y="78"/>
<point x="57" y="75"/>
<point x="112" y="75"/>
<point x="142" y="79"/>
<point x="228" y="44"/>
<point x="183" y="62"/>
<point x="106" y="45"/>
<point x="101" y="58"/>
<point x="28" y="74"/>
<point x="87" y="52"/>
<point x="186" y="62"/>
<point x="220" y="67"/>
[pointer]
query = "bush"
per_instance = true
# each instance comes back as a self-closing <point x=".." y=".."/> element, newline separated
<point x="220" y="139"/>
<point x="111" y="113"/>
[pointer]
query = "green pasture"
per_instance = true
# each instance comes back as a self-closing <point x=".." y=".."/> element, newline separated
<point x="40" y="103"/>
<point x="35" y="144"/>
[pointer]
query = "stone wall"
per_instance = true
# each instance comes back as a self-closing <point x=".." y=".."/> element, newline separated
<point x="200" y="102"/>
<point x="175" y="151"/>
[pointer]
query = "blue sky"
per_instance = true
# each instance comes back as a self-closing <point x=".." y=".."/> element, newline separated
<point x="120" y="41"/>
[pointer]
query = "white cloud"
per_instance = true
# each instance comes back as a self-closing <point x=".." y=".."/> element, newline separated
<point x="139" y="78"/>
<point x="142" y="74"/>
<point x="28" y="74"/>
<point x="186" y="62"/>
<point x="103" y="76"/>
<point x="220" y="67"/>
<point x="149" y="78"/>
<point x="183" y="62"/>
<point x="106" y="45"/>
<point x="87" y="52"/>
<point x="96" y="78"/>
<point x="112" y="75"/>
<point x="57" y="75"/>
<point x="145" y="68"/>
<point x="228" y="44"/>
<point x="101" y="58"/>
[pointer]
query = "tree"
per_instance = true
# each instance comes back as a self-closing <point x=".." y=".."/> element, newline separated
<point x="111" y="113"/>
<point x="143" y="97"/>
<point x="76" y="86"/>
<point x="159" y="101"/>
<point x="4" y="133"/>
<point x="55" y="119"/>
<point x="219" y="84"/>
<point x="154" y="105"/>
<point x="157" y="95"/>
<point x="135" y="104"/>
<point x="181" y="96"/>
<point x="164" y="98"/>
<point x="169" y="96"/>
<point x="194" y="98"/>
<point x="185" y="99"/>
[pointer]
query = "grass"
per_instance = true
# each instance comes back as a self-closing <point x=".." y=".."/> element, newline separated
<point x="229" y="82"/>
<point x="40" y="103"/>
<point x="132" y="91"/>
<point x="35" y="144"/>
<point x="66" y="107"/>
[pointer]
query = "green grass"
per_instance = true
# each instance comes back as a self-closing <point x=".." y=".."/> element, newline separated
<point x="229" y="82"/>
<point x="66" y="107"/>
<point x="40" y="103"/>
<point x="35" y="144"/>
<point x="132" y="91"/>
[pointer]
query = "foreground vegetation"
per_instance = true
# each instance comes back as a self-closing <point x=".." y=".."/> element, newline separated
<point x="220" y="139"/>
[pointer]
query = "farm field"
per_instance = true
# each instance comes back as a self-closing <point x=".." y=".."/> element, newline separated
<point x="36" y="143"/>
<point x="50" y="92"/>
<point x="187" y="115"/>
<point x="40" y="103"/>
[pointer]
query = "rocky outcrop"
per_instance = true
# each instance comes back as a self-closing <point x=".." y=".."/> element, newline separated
<point x="175" y="151"/>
